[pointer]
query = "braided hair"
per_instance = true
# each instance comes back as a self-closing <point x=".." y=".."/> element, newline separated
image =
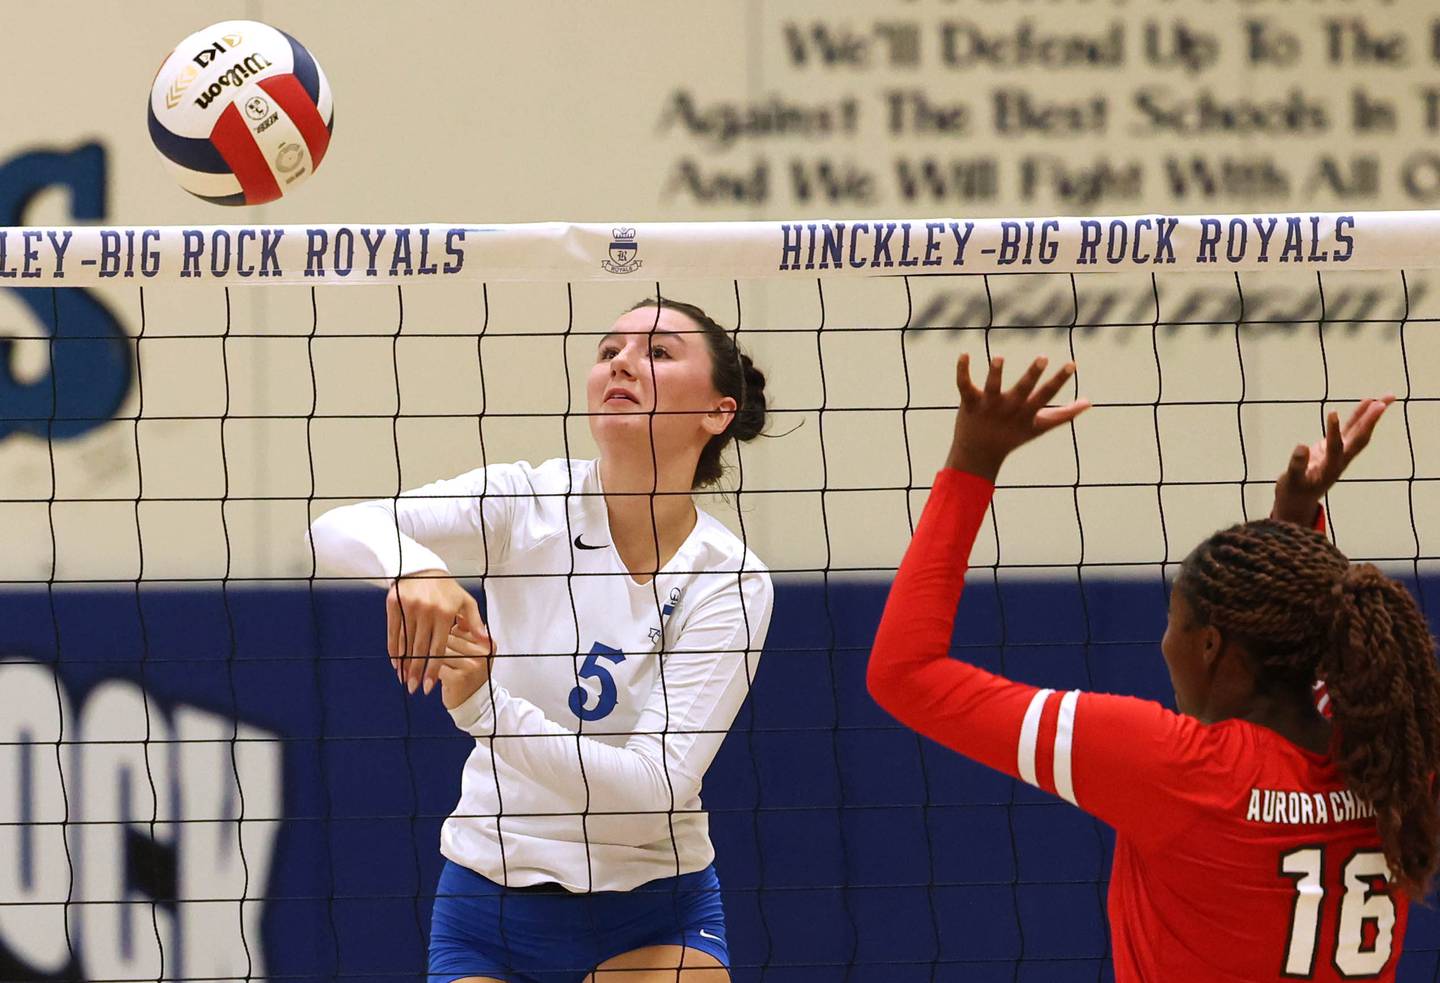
<point x="733" y="374"/>
<point x="1304" y="612"/>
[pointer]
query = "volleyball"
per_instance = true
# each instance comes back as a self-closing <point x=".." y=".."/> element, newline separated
<point x="241" y="112"/>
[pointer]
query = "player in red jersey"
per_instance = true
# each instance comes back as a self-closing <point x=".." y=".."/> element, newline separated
<point x="1256" y="840"/>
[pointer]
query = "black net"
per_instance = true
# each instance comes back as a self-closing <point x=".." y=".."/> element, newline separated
<point x="208" y="770"/>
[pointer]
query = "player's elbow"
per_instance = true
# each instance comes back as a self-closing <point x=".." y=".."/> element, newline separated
<point x="882" y="680"/>
<point x="667" y="794"/>
<point x="332" y="544"/>
<point x="325" y="538"/>
<point x="895" y="687"/>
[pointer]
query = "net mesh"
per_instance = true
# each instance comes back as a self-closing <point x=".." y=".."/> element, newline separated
<point x="208" y="771"/>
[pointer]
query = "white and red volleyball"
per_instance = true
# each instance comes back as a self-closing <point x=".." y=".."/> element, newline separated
<point x="241" y="113"/>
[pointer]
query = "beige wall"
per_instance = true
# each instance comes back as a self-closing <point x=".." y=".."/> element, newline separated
<point x="481" y="112"/>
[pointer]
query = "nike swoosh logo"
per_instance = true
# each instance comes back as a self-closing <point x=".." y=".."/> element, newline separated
<point x="707" y="935"/>
<point x="580" y="544"/>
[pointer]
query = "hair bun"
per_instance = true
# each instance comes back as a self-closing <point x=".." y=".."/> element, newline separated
<point x="749" y="420"/>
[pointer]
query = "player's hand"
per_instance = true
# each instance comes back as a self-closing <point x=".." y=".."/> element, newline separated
<point x="993" y="422"/>
<point x="420" y="611"/>
<point x="1313" y="470"/>
<point x="466" y="664"/>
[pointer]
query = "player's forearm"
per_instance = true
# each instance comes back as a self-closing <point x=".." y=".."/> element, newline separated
<point x="634" y="779"/>
<point x="364" y="540"/>
<point x="911" y="674"/>
<point x="919" y="617"/>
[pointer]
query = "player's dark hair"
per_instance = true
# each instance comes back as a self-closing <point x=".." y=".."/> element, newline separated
<point x="734" y="375"/>
<point x="1304" y="613"/>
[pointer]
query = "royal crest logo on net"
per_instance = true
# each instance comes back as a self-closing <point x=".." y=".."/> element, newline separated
<point x="623" y="252"/>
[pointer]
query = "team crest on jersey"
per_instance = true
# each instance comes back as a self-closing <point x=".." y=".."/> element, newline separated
<point x="671" y="603"/>
<point x="623" y="252"/>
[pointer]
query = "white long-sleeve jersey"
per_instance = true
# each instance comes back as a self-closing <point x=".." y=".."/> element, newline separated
<point x="608" y="699"/>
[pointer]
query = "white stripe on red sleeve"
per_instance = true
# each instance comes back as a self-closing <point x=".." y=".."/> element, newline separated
<point x="1029" y="732"/>
<point x="1064" y="735"/>
<point x="1044" y="760"/>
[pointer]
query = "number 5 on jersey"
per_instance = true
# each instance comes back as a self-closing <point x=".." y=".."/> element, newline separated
<point x="592" y="669"/>
<point x="1364" y="931"/>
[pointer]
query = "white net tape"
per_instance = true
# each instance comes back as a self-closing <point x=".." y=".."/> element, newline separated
<point x="355" y="253"/>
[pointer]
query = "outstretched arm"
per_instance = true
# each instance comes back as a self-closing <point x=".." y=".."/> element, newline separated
<point x="910" y="674"/>
<point x="1132" y="763"/>
<point x="1121" y="759"/>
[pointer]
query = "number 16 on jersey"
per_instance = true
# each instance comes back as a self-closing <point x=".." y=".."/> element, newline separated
<point x="1364" y="930"/>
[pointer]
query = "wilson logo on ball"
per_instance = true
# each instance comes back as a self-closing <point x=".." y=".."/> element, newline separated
<point x="236" y="109"/>
<point x="250" y="66"/>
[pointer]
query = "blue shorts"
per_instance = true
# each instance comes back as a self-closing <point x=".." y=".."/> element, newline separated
<point x="549" y="935"/>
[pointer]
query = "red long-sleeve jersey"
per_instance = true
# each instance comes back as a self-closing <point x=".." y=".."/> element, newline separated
<point x="1238" y="855"/>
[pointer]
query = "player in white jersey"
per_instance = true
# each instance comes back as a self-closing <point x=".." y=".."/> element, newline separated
<point x="622" y="634"/>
